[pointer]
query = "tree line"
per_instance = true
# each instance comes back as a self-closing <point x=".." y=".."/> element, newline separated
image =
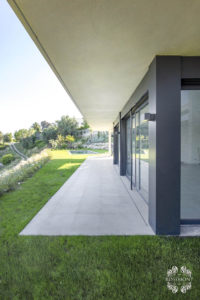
<point x="65" y="129"/>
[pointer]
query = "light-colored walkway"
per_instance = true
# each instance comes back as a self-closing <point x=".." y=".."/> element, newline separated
<point x="94" y="201"/>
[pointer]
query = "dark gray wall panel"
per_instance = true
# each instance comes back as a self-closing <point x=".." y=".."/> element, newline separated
<point x="122" y="147"/>
<point x="115" y="145"/>
<point x="168" y="86"/>
<point x="190" y="67"/>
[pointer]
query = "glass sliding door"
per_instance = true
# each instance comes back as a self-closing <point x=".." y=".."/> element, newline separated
<point x="118" y="144"/>
<point x="137" y="151"/>
<point x="190" y="155"/>
<point x="128" y="148"/>
<point x="140" y="152"/>
<point x="144" y="153"/>
<point x="133" y="151"/>
<point x="118" y="140"/>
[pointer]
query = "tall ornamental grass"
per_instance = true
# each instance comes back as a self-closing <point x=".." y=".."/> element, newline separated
<point x="11" y="178"/>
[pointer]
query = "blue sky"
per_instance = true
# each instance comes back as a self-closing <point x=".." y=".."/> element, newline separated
<point x="29" y="90"/>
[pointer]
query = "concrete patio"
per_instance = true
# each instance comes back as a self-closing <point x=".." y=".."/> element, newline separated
<point x="95" y="200"/>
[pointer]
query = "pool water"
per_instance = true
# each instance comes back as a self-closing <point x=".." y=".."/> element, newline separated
<point x="82" y="152"/>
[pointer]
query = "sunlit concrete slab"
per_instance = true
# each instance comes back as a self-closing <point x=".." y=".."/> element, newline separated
<point x="94" y="201"/>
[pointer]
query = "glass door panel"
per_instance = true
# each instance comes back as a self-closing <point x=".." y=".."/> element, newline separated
<point x="133" y="151"/>
<point x="118" y="139"/>
<point x="128" y="148"/>
<point x="144" y="153"/>
<point x="190" y="154"/>
<point x="137" y="150"/>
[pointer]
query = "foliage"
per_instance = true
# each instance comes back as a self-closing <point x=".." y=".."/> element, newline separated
<point x="7" y="158"/>
<point x="7" y="138"/>
<point x="40" y="144"/>
<point x="29" y="142"/>
<point x="62" y="142"/>
<point x="36" y="127"/>
<point x="60" y="139"/>
<point x="59" y="135"/>
<point x="50" y="133"/>
<point x="31" y="131"/>
<point x="10" y="178"/>
<point x="32" y="151"/>
<point x="45" y="124"/>
<point x="84" y="125"/>
<point x="20" y="134"/>
<point x="67" y="126"/>
<point x="1" y="137"/>
<point x="70" y="139"/>
<point x="3" y="147"/>
<point x="53" y="144"/>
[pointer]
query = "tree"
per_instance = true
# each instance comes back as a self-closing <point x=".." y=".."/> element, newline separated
<point x="31" y="131"/>
<point x="67" y="126"/>
<point x="7" y="138"/>
<point x="84" y="125"/>
<point x="36" y="127"/>
<point x="50" y="133"/>
<point x="45" y="124"/>
<point x="60" y="141"/>
<point x="21" y="134"/>
<point x="1" y="137"/>
<point x="29" y="142"/>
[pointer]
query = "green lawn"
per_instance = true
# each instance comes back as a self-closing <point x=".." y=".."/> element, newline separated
<point x="83" y="267"/>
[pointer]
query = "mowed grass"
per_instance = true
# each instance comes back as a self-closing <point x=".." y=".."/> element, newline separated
<point x="106" y="267"/>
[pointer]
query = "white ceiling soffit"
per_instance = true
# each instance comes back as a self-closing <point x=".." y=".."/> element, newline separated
<point x="101" y="49"/>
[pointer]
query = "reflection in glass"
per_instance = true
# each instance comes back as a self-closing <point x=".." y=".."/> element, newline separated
<point x="144" y="153"/>
<point x="190" y="154"/>
<point x="137" y="150"/>
<point x="118" y="139"/>
<point x="133" y="151"/>
<point x="128" y="148"/>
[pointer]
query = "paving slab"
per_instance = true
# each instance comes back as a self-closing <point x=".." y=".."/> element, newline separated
<point x="93" y="201"/>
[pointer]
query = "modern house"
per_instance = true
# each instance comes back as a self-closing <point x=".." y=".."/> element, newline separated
<point x="133" y="67"/>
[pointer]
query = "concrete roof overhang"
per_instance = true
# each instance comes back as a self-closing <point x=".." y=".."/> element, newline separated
<point x="101" y="49"/>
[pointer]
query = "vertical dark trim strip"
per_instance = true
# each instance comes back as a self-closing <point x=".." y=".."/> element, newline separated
<point x="122" y="146"/>
<point x="168" y="87"/>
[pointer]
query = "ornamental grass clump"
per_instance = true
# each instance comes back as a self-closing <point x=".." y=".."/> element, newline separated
<point x="13" y="177"/>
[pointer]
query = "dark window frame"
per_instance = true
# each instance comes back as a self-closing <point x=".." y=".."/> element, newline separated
<point x="141" y="103"/>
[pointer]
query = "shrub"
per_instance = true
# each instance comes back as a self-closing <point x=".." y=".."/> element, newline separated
<point x="29" y="142"/>
<point x="70" y="140"/>
<point x="7" y="158"/>
<point x="7" y="138"/>
<point x="53" y="144"/>
<point x="40" y="144"/>
<point x="3" y="147"/>
<point x="50" y="133"/>
<point x="11" y="178"/>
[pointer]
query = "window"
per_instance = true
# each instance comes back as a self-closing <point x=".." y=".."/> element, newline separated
<point x="128" y="148"/>
<point x="190" y="154"/>
<point x="140" y="152"/>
